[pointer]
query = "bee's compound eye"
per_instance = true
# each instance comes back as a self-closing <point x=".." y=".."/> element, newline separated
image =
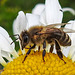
<point x="25" y="38"/>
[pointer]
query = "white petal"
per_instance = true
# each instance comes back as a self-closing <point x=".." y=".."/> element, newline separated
<point x="48" y="47"/>
<point x="43" y="18"/>
<point x="71" y="26"/>
<point x="5" y="34"/>
<point x="23" y="51"/>
<point x="69" y="50"/>
<point x="72" y="49"/>
<point x="65" y="51"/>
<point x="38" y="9"/>
<point x="3" y="62"/>
<point x="73" y="58"/>
<point x="6" y="55"/>
<point x="5" y="44"/>
<point x="52" y="12"/>
<point x="54" y="50"/>
<point x="69" y="9"/>
<point x="33" y="20"/>
<point x="20" y="23"/>
<point x="14" y="53"/>
<point x="36" y="48"/>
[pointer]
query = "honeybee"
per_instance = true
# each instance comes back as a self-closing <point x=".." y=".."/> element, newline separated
<point x="43" y="35"/>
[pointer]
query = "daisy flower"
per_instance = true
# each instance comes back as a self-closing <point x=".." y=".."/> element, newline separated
<point x="40" y="7"/>
<point x="5" y="48"/>
<point x="34" y="65"/>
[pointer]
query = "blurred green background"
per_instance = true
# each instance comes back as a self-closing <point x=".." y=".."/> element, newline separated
<point x="9" y="10"/>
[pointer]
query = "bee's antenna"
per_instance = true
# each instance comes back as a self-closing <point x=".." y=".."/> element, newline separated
<point x="14" y="41"/>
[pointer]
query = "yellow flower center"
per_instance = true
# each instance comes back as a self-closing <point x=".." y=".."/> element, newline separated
<point x="34" y="65"/>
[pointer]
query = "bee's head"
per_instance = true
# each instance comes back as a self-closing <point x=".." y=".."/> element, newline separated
<point x="24" y="39"/>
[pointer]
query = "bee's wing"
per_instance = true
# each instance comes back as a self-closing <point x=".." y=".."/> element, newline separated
<point x="67" y="30"/>
<point x="57" y="24"/>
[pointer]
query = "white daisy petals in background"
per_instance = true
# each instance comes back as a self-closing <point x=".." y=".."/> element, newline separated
<point x="33" y="20"/>
<point x="5" y="44"/>
<point x="38" y="9"/>
<point x="2" y="61"/>
<point x="50" y="13"/>
<point x="72" y="11"/>
<point x="71" y="54"/>
<point x="5" y="34"/>
<point x="5" y="47"/>
<point x="43" y="18"/>
<point x="72" y="48"/>
<point x="19" y="23"/>
<point x="5" y="40"/>
<point x="71" y="25"/>
<point x="53" y="13"/>
<point x="6" y="55"/>
<point x="70" y="51"/>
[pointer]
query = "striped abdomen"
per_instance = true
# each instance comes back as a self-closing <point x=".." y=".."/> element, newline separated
<point x="61" y="36"/>
<point x="65" y="39"/>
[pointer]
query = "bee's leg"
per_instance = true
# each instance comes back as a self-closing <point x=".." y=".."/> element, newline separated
<point x="44" y="51"/>
<point x="28" y="52"/>
<point x="51" y="48"/>
<point x="58" y="50"/>
<point x="26" y="55"/>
